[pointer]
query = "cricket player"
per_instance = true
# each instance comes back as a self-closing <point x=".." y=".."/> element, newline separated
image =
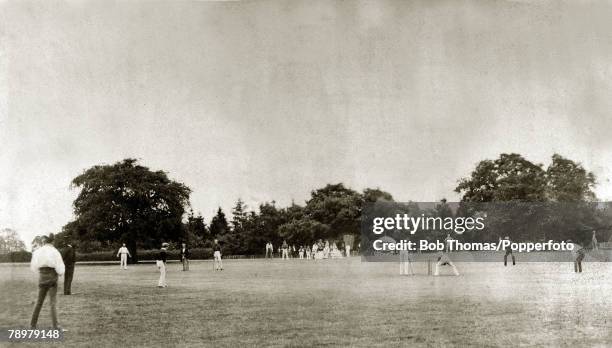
<point x="185" y="257"/>
<point x="218" y="264"/>
<point x="405" y="263"/>
<point x="285" y="248"/>
<point x="578" y="255"/>
<point x="47" y="261"/>
<point x="125" y="253"/>
<point x="308" y="252"/>
<point x="347" y="249"/>
<point x="301" y="252"/>
<point x="162" y="257"/>
<point x="508" y="252"/>
<point x="269" y="250"/>
<point x="594" y="241"/>
<point x="444" y="259"/>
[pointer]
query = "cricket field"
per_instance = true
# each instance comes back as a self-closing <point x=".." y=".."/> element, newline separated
<point x="343" y="302"/>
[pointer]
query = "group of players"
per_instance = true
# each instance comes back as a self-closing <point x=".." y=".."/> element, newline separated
<point x="578" y="255"/>
<point x="320" y="250"/>
<point x="49" y="263"/>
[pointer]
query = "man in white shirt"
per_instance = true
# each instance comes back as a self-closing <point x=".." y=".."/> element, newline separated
<point x="269" y="250"/>
<point x="124" y="252"/>
<point x="47" y="261"/>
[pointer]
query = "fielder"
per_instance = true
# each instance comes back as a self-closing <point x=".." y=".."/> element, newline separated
<point x="578" y="255"/>
<point x="125" y="253"/>
<point x="218" y="264"/>
<point x="594" y="241"/>
<point x="508" y="252"/>
<point x="405" y="263"/>
<point x="285" y="248"/>
<point x="161" y="260"/>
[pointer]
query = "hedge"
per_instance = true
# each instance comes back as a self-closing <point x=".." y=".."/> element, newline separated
<point x="143" y="255"/>
<point x="16" y="256"/>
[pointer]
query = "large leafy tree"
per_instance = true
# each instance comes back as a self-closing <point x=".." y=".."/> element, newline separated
<point x="127" y="202"/>
<point x="568" y="181"/>
<point x="530" y="203"/>
<point x="508" y="178"/>
<point x="337" y="207"/>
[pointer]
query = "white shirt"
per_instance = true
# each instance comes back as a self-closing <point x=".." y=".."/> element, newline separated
<point x="123" y="250"/>
<point x="47" y="256"/>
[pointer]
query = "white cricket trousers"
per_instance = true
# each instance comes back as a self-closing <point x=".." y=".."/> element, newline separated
<point x="218" y="262"/>
<point x="123" y="261"/>
<point x="162" y="275"/>
<point x="439" y="263"/>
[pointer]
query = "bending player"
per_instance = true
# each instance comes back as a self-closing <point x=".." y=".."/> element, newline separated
<point x="444" y="260"/>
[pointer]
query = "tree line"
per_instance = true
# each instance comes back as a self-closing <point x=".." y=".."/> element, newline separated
<point x="127" y="202"/>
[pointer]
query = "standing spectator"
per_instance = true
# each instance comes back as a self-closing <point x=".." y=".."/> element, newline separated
<point x="301" y="252"/>
<point x="125" y="253"/>
<point x="47" y="261"/>
<point x="162" y="257"/>
<point x="269" y="250"/>
<point x="69" y="257"/>
<point x="218" y="264"/>
<point x="308" y="252"/>
<point x="185" y="257"/>
<point x="594" y="241"/>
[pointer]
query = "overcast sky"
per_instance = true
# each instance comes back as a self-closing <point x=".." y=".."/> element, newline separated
<point x="268" y="100"/>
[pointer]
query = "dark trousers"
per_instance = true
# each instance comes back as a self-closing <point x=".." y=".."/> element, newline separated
<point x="185" y="262"/>
<point x="509" y="252"/>
<point x="68" y="280"/>
<point x="47" y="283"/>
<point x="578" y="263"/>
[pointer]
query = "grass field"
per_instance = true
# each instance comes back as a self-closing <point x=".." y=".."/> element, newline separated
<point x="323" y="303"/>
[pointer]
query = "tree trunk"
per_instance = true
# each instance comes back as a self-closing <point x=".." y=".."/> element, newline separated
<point x="131" y="244"/>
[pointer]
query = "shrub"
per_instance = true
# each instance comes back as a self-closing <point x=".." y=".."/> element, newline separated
<point x="145" y="255"/>
<point x="16" y="256"/>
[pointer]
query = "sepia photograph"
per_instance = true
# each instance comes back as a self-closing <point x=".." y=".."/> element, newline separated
<point x="317" y="173"/>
